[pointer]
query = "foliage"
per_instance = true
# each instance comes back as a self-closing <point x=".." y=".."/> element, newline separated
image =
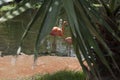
<point x="94" y="30"/>
<point x="61" y="75"/>
<point x="6" y="8"/>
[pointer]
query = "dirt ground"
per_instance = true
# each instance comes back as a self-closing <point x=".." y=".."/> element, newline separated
<point x="22" y="66"/>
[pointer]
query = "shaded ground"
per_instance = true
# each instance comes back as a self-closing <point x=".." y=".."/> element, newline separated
<point x="22" y="67"/>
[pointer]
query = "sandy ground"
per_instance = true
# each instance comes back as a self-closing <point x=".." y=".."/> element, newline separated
<point x="11" y="68"/>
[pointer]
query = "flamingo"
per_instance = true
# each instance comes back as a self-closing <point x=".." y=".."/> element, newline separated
<point x="68" y="40"/>
<point x="57" y="31"/>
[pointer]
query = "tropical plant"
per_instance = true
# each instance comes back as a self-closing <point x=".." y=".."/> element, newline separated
<point x="61" y="75"/>
<point x="95" y="31"/>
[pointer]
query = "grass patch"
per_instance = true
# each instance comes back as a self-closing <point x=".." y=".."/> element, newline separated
<point x="61" y="75"/>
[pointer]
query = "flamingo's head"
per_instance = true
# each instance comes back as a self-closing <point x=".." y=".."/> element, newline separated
<point x="68" y="40"/>
<point x="65" y="23"/>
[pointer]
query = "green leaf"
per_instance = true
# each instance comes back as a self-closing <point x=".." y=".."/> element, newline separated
<point x="107" y="9"/>
<point x="113" y="5"/>
<point x="48" y="23"/>
<point x="92" y="41"/>
<point x="15" y="12"/>
<point x="75" y="27"/>
<point x="38" y="18"/>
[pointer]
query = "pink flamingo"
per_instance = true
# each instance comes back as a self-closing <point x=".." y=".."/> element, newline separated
<point x="68" y="40"/>
<point x="57" y="31"/>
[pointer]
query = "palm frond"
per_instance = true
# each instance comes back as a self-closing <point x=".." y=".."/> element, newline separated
<point x="88" y="41"/>
<point x="107" y="9"/>
<point x="15" y="12"/>
<point x="5" y="1"/>
<point x="85" y="22"/>
<point x="47" y="23"/>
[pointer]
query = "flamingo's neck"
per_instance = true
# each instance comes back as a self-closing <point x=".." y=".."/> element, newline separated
<point x="60" y="23"/>
<point x="63" y="26"/>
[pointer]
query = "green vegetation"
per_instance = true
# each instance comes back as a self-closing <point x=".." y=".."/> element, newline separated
<point x="7" y="8"/>
<point x="95" y="32"/>
<point x="60" y="75"/>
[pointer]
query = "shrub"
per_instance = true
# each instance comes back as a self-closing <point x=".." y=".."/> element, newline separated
<point x="62" y="75"/>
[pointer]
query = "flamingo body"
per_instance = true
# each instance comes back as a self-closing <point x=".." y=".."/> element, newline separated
<point x="56" y="31"/>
